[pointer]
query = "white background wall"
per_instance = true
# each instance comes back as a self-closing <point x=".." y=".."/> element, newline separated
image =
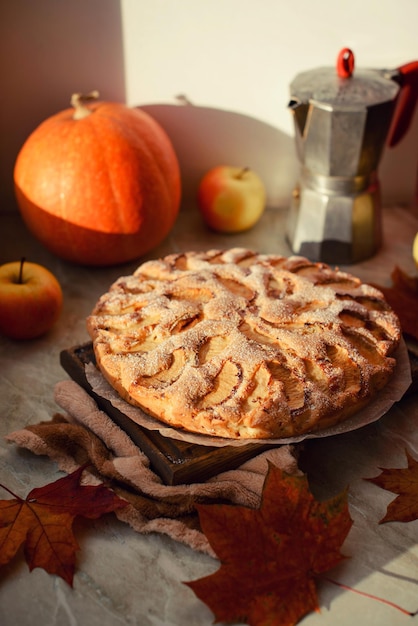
<point x="231" y="61"/>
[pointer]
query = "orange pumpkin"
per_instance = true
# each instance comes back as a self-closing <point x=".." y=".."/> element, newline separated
<point x="98" y="184"/>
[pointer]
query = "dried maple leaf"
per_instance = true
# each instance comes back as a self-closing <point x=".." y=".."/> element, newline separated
<point x="270" y="557"/>
<point x="403" y="298"/>
<point x="404" y="482"/>
<point x="43" y="522"/>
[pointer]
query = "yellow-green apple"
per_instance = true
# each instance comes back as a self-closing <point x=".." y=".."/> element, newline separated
<point x="415" y="249"/>
<point x="231" y="199"/>
<point x="30" y="300"/>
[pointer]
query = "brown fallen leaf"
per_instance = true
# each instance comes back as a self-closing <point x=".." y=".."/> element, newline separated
<point x="404" y="482"/>
<point x="43" y="522"/>
<point x="403" y="298"/>
<point x="272" y="556"/>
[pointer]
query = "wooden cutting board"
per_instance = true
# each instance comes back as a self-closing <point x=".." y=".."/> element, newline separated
<point x="176" y="462"/>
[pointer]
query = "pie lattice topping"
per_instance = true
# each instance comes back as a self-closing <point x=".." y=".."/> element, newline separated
<point x="238" y="344"/>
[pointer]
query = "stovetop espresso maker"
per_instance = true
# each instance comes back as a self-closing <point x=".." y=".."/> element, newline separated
<point x="343" y="119"/>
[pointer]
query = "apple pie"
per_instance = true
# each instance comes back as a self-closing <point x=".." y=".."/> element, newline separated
<point x="239" y="344"/>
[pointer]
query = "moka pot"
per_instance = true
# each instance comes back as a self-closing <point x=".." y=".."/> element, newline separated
<point x="342" y="121"/>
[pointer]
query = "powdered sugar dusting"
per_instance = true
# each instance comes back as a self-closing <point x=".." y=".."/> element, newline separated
<point x="239" y="344"/>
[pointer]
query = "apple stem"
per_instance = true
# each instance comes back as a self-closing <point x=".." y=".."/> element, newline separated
<point x="20" y="277"/>
<point x="79" y="101"/>
<point x="242" y="173"/>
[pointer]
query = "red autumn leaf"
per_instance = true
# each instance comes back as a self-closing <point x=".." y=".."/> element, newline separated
<point x="43" y="522"/>
<point x="271" y="557"/>
<point x="403" y="298"/>
<point x="404" y="482"/>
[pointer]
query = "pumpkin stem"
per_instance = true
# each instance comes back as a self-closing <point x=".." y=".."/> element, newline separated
<point x="79" y="101"/>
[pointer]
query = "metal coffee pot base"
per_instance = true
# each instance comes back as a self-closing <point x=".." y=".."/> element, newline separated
<point x="335" y="229"/>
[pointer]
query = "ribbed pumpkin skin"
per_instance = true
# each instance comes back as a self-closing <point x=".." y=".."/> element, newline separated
<point x="101" y="190"/>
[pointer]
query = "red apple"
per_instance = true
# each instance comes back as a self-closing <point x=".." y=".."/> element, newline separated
<point x="30" y="300"/>
<point x="231" y="199"/>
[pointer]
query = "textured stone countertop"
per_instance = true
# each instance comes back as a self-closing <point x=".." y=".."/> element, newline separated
<point x="123" y="577"/>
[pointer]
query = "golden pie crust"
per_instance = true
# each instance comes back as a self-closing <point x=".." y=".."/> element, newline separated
<point x="244" y="345"/>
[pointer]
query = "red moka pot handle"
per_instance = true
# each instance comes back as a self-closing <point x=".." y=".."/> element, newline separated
<point x="408" y="98"/>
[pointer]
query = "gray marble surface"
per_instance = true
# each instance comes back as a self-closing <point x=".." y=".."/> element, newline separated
<point x="126" y="578"/>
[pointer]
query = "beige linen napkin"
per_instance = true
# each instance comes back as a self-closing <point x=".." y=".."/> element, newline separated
<point x="85" y="434"/>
